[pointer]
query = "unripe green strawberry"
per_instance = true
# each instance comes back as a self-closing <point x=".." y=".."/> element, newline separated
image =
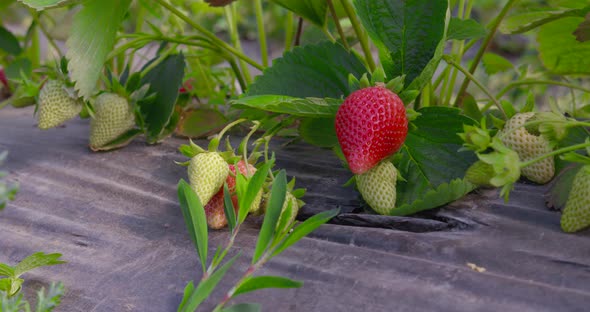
<point x="480" y="174"/>
<point x="529" y="146"/>
<point x="207" y="172"/>
<point x="56" y="106"/>
<point x="576" y="214"/>
<point x="378" y="187"/>
<point x="113" y="116"/>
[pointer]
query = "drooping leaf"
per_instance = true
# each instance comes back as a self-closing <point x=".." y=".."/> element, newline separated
<point x="244" y="307"/>
<point x="557" y="195"/>
<point x="463" y="29"/>
<point x="261" y="282"/>
<point x="315" y="70"/>
<point x="305" y="228"/>
<point x="200" y="122"/>
<point x="306" y="107"/>
<point x="121" y="141"/>
<point x="559" y="50"/>
<point x="494" y="63"/>
<point x="407" y="33"/>
<point x="205" y="288"/>
<point x="36" y="260"/>
<point x="430" y="154"/>
<point x="164" y="80"/>
<point x="318" y="131"/>
<point x="92" y="38"/>
<point x="443" y="194"/>
<point x="525" y="21"/>
<point x="8" y="42"/>
<point x="311" y="10"/>
<point x="47" y="4"/>
<point x="275" y="203"/>
<point x="6" y="270"/>
<point x="193" y="213"/>
<point x="47" y="302"/>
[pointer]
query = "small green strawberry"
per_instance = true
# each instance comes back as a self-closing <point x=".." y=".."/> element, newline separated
<point x="207" y="171"/>
<point x="480" y="174"/>
<point x="377" y="186"/>
<point x="576" y="215"/>
<point x="56" y="105"/>
<point x="113" y="117"/>
<point x="529" y="146"/>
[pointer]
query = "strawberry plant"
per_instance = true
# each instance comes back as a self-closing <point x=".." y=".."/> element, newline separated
<point x="7" y="190"/>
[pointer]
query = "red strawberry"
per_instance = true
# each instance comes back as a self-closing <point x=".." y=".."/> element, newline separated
<point x="371" y="125"/>
<point x="215" y="213"/>
<point x="3" y="80"/>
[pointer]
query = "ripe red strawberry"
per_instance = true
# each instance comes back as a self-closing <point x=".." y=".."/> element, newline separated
<point x="371" y="125"/>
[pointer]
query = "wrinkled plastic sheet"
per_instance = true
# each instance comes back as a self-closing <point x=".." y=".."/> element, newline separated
<point x="115" y="218"/>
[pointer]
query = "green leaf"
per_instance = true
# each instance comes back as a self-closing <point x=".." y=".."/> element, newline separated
<point x="462" y="29"/>
<point x="255" y="184"/>
<point x="430" y="154"/>
<point x="48" y="302"/>
<point x="228" y="208"/>
<point x="523" y="22"/>
<point x="47" y="4"/>
<point x="244" y="307"/>
<point x="307" y="107"/>
<point x="311" y="10"/>
<point x="443" y="194"/>
<point x="17" y="68"/>
<point x="582" y="33"/>
<point x="205" y="288"/>
<point x="494" y="63"/>
<point x="261" y="282"/>
<point x="273" y="211"/>
<point x="6" y="270"/>
<point x="197" y="123"/>
<point x="8" y="42"/>
<point x="319" y="131"/>
<point x="315" y="70"/>
<point x="36" y="260"/>
<point x="164" y="80"/>
<point x="559" y="50"/>
<point x="305" y="228"/>
<point x="188" y="291"/>
<point x="470" y="107"/>
<point x="195" y="219"/>
<point x="91" y="40"/>
<point x="560" y="188"/>
<point x="406" y="37"/>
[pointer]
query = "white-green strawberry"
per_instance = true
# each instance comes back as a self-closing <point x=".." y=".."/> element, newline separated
<point x="377" y="186"/>
<point x="576" y="215"/>
<point x="56" y="105"/>
<point x="206" y="172"/>
<point x="529" y="146"/>
<point x="113" y="116"/>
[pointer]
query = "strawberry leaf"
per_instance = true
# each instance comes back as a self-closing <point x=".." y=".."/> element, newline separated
<point x="559" y="50"/>
<point x="429" y="158"/>
<point x="315" y="70"/>
<point x="462" y="29"/>
<point x="307" y="107"/>
<point x="556" y="197"/>
<point x="311" y="10"/>
<point x="261" y="282"/>
<point x="443" y="194"/>
<point x="93" y="36"/>
<point x="164" y="80"/>
<point x="407" y="39"/>
<point x="47" y="4"/>
<point x="8" y="42"/>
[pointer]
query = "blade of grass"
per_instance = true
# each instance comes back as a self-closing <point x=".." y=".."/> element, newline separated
<point x="195" y="219"/>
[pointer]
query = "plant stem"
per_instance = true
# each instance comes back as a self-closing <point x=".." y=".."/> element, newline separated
<point x="214" y="40"/>
<point x="556" y="152"/>
<point x="535" y="81"/>
<point x="361" y="35"/>
<point x="338" y="25"/>
<point x="469" y="76"/>
<point x="46" y="34"/>
<point x="230" y="13"/>
<point x="299" y="32"/>
<point x="261" y="32"/>
<point x="289" y="31"/>
<point x="477" y="59"/>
